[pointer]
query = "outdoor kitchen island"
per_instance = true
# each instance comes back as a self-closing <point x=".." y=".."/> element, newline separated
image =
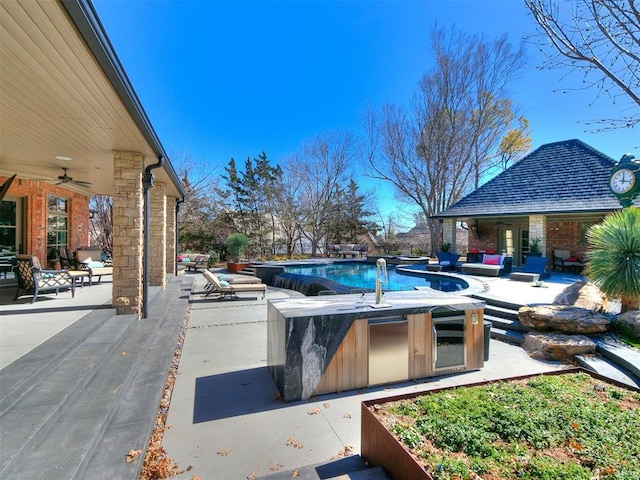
<point x="335" y="343"/>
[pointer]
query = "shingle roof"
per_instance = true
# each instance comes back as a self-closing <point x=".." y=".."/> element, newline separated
<point x="561" y="177"/>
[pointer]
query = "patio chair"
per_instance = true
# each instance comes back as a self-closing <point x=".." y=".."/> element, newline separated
<point x="563" y="259"/>
<point x="226" y="289"/>
<point x="34" y="280"/>
<point x="534" y="269"/>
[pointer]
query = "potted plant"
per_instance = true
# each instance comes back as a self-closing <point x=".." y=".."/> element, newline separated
<point x="236" y="246"/>
<point x="534" y="248"/>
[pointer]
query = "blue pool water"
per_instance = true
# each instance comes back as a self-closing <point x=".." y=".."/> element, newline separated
<point x="363" y="275"/>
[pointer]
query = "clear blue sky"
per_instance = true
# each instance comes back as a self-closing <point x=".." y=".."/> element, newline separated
<point x="221" y="79"/>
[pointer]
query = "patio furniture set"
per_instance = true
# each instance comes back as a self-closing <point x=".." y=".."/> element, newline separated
<point x="33" y="279"/>
<point x="352" y="250"/>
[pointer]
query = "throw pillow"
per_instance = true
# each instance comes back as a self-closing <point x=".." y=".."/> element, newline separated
<point x="95" y="264"/>
<point x="224" y="283"/>
<point x="445" y="263"/>
<point x="491" y="259"/>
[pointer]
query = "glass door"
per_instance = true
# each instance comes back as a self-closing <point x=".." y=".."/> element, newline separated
<point x="449" y="342"/>
<point x="508" y="243"/>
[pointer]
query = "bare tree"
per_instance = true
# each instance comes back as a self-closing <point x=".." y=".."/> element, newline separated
<point x="442" y="147"/>
<point x="202" y="224"/>
<point x="320" y="169"/>
<point x="101" y="223"/>
<point x="287" y="211"/>
<point x="601" y="39"/>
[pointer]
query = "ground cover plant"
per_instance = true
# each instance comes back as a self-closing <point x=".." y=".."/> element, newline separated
<point x="552" y="427"/>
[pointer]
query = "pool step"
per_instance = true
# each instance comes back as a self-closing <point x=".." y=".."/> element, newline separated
<point x="607" y="368"/>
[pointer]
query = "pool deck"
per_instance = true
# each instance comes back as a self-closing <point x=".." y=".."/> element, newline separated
<point x="225" y="418"/>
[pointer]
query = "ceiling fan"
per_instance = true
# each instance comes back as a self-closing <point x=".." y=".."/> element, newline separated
<point x="67" y="179"/>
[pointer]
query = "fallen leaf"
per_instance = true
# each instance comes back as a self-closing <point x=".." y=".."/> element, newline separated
<point x="291" y="442"/>
<point x="295" y="474"/>
<point x="315" y="411"/>
<point x="252" y="475"/>
<point x="223" y="453"/>
<point x="132" y="455"/>
<point x="325" y="404"/>
<point x="347" y="415"/>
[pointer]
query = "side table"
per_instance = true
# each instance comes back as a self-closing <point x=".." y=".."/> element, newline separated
<point x="79" y="275"/>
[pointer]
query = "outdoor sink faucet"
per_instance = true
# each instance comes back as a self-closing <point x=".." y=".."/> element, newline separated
<point x="381" y="277"/>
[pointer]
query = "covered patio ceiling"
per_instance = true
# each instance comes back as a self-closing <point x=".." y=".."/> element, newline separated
<point x="65" y="100"/>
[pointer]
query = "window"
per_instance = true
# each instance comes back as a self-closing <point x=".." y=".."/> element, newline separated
<point x="58" y="226"/>
<point x="8" y="226"/>
<point x="584" y="228"/>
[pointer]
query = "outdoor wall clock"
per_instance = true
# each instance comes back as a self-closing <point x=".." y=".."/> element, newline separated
<point x="624" y="180"/>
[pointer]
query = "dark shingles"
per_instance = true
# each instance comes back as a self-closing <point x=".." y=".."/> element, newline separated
<point x="568" y="176"/>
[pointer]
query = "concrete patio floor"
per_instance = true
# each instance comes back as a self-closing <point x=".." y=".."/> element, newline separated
<point x="226" y="421"/>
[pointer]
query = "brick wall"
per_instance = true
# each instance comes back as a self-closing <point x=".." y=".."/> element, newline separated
<point x="35" y="202"/>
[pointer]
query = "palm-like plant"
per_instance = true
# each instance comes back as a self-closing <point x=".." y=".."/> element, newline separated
<point x="614" y="256"/>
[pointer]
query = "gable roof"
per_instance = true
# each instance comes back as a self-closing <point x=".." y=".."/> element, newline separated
<point x="561" y="177"/>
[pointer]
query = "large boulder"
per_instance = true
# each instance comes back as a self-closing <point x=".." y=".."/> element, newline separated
<point x="583" y="295"/>
<point x="559" y="318"/>
<point x="556" y="346"/>
<point x="628" y="324"/>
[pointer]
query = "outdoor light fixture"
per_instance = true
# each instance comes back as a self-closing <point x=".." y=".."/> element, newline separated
<point x="92" y="213"/>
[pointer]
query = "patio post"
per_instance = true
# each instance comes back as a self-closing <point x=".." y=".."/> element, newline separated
<point x="157" y="235"/>
<point x="170" y="243"/>
<point x="127" y="232"/>
<point x="449" y="233"/>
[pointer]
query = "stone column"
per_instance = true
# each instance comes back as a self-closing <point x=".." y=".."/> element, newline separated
<point x="449" y="233"/>
<point x="157" y="235"/>
<point x="538" y="229"/>
<point x="171" y="236"/>
<point x="128" y="222"/>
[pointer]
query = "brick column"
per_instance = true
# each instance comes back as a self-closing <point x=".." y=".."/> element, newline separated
<point x="157" y="235"/>
<point x="538" y="229"/>
<point x="449" y="233"/>
<point x="171" y="236"/>
<point x="127" y="232"/>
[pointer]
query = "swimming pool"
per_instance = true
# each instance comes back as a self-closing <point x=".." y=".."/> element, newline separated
<point x="363" y="275"/>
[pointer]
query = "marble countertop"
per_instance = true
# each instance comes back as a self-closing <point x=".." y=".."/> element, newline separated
<point x="396" y="303"/>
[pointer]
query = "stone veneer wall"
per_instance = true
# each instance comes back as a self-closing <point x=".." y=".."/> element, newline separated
<point x="127" y="232"/>
<point x="170" y="250"/>
<point x="157" y="235"/>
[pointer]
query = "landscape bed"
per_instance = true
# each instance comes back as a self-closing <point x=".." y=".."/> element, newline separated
<point x="565" y="425"/>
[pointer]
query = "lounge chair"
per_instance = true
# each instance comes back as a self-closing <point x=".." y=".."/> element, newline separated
<point x="34" y="280"/>
<point x="234" y="280"/>
<point x="534" y="269"/>
<point x="224" y="288"/>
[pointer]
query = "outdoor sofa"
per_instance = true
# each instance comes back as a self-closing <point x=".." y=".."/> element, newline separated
<point x="489" y="266"/>
<point x="93" y="262"/>
<point x="194" y="261"/>
<point x="342" y="250"/>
